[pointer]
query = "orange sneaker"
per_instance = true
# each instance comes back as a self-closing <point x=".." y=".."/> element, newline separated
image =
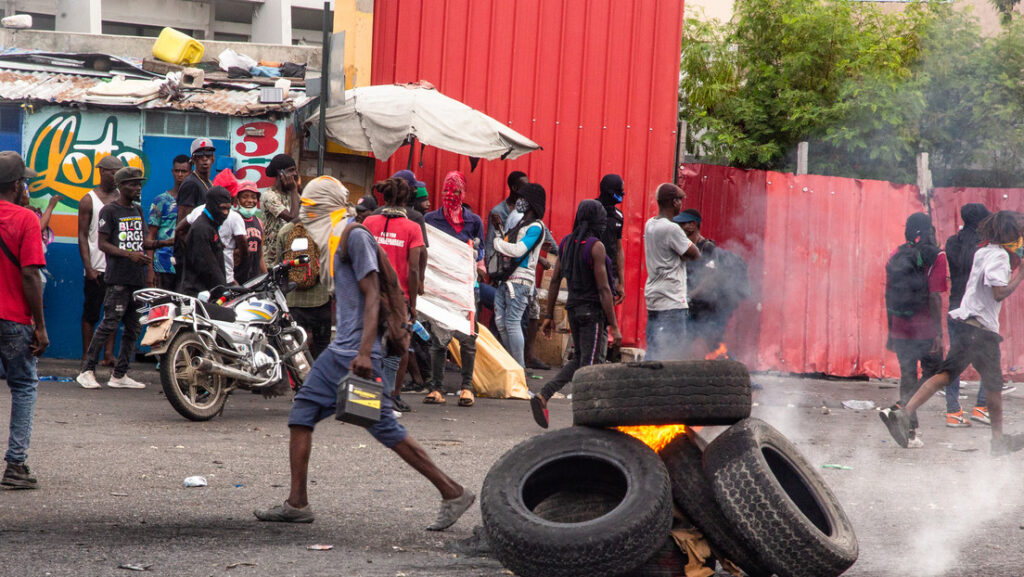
<point x="957" y="420"/>
<point x="980" y="414"/>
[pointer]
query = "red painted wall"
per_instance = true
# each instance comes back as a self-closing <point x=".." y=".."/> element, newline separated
<point x="594" y="83"/>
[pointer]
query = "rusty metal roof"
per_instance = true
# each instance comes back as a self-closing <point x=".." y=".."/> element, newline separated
<point x="62" y="88"/>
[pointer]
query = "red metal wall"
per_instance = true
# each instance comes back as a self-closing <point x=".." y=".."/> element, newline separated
<point x="816" y="249"/>
<point x="595" y="83"/>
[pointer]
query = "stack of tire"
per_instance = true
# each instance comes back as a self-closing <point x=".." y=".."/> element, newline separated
<point x="591" y="501"/>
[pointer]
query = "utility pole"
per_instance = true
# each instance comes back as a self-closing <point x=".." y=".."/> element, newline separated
<point x="325" y="68"/>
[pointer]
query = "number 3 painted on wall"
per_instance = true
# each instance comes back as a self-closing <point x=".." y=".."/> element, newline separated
<point x="257" y="146"/>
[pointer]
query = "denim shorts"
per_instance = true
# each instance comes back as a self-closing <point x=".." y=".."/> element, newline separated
<point x="318" y="397"/>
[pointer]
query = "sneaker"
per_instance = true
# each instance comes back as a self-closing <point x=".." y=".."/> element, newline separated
<point x="285" y="513"/>
<point x="17" y="476"/>
<point x="125" y="382"/>
<point x="1008" y="388"/>
<point x="88" y="380"/>
<point x="980" y="414"/>
<point x="1007" y="444"/>
<point x="451" y="510"/>
<point x="914" y="441"/>
<point x="898" y="423"/>
<point x="957" y="420"/>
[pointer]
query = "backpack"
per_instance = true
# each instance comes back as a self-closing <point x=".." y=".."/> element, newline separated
<point x="393" y="316"/>
<point x="504" y="265"/>
<point x="304" y="277"/>
<point x="906" y="282"/>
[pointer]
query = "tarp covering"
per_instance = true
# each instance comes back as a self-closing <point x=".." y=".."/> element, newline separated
<point x="379" y="119"/>
<point x="495" y="373"/>
<point x="447" y="297"/>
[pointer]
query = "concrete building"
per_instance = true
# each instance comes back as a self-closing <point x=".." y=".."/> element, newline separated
<point x="263" y="21"/>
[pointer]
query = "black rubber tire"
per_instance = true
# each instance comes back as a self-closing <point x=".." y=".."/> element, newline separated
<point x="779" y="502"/>
<point x="668" y="561"/>
<point x="661" y="393"/>
<point x="694" y="496"/>
<point x="577" y="537"/>
<point x="183" y="393"/>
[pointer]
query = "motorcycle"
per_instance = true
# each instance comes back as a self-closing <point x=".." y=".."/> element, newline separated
<point x="244" y="339"/>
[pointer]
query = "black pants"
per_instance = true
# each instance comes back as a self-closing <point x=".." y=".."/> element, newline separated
<point x="316" y="321"/>
<point x="589" y="331"/>
<point x="910" y="352"/>
<point x="118" y="308"/>
<point x="438" y="352"/>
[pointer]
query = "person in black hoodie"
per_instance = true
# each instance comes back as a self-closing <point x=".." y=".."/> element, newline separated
<point x="204" y="252"/>
<point x="612" y="193"/>
<point x="960" y="249"/>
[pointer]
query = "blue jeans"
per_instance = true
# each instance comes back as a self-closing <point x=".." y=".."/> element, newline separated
<point x="953" y="388"/>
<point x="509" y="310"/>
<point x="20" y="368"/>
<point x="667" y="336"/>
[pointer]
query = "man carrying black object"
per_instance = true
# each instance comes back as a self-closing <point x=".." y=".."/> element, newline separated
<point x="122" y="237"/>
<point x="204" y="252"/>
<point x="360" y="351"/>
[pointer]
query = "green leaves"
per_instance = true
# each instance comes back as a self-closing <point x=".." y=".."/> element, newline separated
<point x="869" y="89"/>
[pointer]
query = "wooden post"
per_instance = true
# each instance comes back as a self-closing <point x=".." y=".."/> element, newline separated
<point x="924" y="180"/>
<point x="801" y="158"/>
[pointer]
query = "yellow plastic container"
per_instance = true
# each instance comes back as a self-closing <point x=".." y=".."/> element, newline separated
<point x="177" y="48"/>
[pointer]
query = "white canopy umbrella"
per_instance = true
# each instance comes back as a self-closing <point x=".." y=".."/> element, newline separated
<point x="380" y="119"/>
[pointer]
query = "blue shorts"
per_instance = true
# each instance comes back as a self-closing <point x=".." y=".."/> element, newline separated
<point x="318" y="398"/>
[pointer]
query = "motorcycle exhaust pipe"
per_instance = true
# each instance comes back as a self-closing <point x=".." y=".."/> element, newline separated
<point x="208" y="366"/>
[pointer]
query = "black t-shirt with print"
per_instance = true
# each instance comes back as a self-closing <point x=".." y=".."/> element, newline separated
<point x="126" y="229"/>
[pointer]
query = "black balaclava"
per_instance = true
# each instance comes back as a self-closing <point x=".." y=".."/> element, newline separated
<point x="611" y="190"/>
<point x="973" y="213"/>
<point x="215" y="197"/>
<point x="920" y="233"/>
<point x="591" y="219"/>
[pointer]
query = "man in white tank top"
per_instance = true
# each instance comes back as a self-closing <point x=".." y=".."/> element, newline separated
<point x="93" y="259"/>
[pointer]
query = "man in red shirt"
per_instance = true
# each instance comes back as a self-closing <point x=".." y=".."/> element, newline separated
<point x="22" y="328"/>
<point x="916" y="335"/>
<point x="402" y="241"/>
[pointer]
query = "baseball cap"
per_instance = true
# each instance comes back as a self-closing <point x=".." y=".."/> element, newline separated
<point x="366" y="204"/>
<point x="128" y="173"/>
<point x="247" y="186"/>
<point x="408" y="176"/>
<point x="110" y="162"/>
<point x="688" y="215"/>
<point x="12" y="167"/>
<point x="201" y="144"/>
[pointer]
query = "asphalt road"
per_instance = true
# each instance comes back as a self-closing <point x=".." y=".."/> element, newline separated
<point x="112" y="463"/>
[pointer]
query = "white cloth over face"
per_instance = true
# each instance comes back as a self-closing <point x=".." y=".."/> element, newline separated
<point x="323" y="212"/>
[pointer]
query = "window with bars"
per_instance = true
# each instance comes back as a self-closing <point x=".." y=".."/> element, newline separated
<point x="193" y="124"/>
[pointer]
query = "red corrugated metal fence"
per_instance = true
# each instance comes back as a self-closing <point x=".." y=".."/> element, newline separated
<point x="594" y="83"/>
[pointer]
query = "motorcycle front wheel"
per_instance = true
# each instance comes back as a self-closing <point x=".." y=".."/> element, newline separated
<point x="197" y="396"/>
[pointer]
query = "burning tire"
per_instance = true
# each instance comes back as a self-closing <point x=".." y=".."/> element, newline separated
<point x="779" y="502"/>
<point x="577" y="503"/>
<point x="694" y="496"/>
<point x="661" y="393"/>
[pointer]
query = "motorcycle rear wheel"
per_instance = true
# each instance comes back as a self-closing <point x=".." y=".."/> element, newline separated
<point x="196" y="396"/>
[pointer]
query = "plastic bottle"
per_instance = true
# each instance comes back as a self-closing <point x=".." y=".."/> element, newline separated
<point x="421" y="332"/>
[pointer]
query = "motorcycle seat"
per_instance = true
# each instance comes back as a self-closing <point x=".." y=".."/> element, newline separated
<point x="219" y="313"/>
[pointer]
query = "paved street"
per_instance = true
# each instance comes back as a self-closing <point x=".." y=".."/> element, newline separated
<point x="111" y="464"/>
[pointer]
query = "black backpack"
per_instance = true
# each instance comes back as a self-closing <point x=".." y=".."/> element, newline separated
<point x="906" y="282"/>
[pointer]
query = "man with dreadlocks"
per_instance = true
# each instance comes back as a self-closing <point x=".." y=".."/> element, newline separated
<point x="586" y="266"/>
<point x="915" y="281"/>
<point x="976" y="338"/>
<point x="457" y="220"/>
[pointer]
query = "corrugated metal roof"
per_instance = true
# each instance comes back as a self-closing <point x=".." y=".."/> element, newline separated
<point x="595" y="83"/>
<point x="56" y="88"/>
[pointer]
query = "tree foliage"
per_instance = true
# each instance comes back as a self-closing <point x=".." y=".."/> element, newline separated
<point x="868" y="89"/>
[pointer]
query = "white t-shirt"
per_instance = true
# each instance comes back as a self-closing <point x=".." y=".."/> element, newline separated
<point x="231" y="227"/>
<point x="991" y="268"/>
<point x="665" y="243"/>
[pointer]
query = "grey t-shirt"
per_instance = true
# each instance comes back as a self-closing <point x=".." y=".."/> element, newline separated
<point x="362" y="260"/>
<point x="665" y="243"/>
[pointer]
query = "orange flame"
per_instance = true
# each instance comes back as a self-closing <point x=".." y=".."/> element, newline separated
<point x="720" y="353"/>
<point x="655" y="436"/>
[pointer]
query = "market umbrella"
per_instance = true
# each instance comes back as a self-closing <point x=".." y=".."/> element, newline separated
<point x="380" y="119"/>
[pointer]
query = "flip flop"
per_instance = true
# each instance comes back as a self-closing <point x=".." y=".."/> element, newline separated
<point x="466" y="401"/>
<point x="432" y="400"/>
<point x="540" y="412"/>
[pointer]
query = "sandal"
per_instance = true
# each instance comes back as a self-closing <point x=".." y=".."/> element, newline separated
<point x="466" y="398"/>
<point x="540" y="411"/>
<point x="434" y="398"/>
